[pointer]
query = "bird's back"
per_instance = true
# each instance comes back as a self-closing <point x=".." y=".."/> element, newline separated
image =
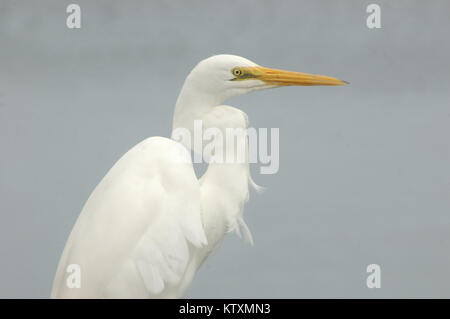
<point x="134" y="235"/>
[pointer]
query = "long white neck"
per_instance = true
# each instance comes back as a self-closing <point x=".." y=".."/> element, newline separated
<point x="192" y="103"/>
<point x="200" y="113"/>
<point x="196" y="104"/>
<point x="230" y="179"/>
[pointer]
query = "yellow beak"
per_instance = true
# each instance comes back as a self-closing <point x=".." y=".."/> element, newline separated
<point x="286" y="78"/>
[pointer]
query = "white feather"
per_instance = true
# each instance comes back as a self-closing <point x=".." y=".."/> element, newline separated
<point x="145" y="210"/>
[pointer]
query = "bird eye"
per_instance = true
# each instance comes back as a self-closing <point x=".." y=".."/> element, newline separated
<point x="237" y="72"/>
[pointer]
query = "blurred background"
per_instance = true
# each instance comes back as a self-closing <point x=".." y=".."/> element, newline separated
<point x="364" y="169"/>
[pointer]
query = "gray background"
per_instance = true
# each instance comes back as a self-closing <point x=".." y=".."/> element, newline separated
<point x="364" y="169"/>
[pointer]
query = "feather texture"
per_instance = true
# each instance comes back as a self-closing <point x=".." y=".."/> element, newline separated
<point x="137" y="225"/>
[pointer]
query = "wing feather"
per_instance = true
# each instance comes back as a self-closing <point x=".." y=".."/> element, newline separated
<point x="137" y="225"/>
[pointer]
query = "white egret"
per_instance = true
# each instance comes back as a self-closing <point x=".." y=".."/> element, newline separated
<point x="150" y="223"/>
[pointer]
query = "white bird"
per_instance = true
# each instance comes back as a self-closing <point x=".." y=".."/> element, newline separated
<point x="150" y="223"/>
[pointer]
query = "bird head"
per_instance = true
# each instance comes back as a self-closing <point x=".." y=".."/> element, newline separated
<point x="220" y="77"/>
<point x="227" y="75"/>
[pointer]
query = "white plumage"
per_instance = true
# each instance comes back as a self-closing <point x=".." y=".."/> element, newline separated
<point x="150" y="223"/>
